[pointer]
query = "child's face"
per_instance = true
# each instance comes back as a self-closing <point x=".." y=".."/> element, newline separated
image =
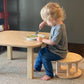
<point x="51" y="22"/>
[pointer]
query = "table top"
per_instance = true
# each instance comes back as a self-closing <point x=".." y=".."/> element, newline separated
<point x="17" y="39"/>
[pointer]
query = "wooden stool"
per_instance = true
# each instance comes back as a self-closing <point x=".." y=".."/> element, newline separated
<point x="68" y="67"/>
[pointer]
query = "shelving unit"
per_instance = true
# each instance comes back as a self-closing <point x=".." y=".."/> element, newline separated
<point x="4" y="15"/>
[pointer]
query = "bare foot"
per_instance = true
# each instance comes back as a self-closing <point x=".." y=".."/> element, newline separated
<point x="46" y="77"/>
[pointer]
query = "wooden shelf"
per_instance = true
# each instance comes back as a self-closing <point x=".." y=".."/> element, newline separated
<point x="2" y="15"/>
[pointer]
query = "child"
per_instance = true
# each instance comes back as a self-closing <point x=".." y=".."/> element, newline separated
<point x="56" y="48"/>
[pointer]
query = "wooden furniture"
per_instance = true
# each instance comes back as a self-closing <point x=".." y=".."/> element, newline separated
<point x="68" y="67"/>
<point x="17" y="39"/>
<point x="4" y="15"/>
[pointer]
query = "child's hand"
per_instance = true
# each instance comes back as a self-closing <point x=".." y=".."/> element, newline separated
<point x="39" y="39"/>
<point x="41" y="25"/>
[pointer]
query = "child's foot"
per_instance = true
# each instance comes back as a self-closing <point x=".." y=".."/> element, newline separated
<point x="46" y="77"/>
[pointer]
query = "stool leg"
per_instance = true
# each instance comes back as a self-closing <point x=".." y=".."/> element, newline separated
<point x="70" y="65"/>
<point x="76" y="68"/>
<point x="58" y="65"/>
<point x="68" y="69"/>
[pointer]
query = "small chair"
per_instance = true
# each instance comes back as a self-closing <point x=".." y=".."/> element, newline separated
<point x="68" y="67"/>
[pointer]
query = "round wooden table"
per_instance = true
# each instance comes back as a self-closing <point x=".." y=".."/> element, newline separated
<point x="17" y="39"/>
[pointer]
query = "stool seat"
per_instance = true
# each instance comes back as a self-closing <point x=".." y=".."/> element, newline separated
<point x="71" y="58"/>
<point x="65" y="68"/>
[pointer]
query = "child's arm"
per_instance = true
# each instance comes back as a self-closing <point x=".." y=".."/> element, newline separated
<point x="48" y="41"/>
<point x="40" y="39"/>
<point x="54" y="40"/>
<point x="42" y="24"/>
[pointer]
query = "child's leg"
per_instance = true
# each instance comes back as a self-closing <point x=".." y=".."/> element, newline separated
<point x="38" y="63"/>
<point x="46" y="60"/>
<point x="48" y="66"/>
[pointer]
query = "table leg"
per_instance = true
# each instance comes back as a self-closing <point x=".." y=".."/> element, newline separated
<point x="9" y="52"/>
<point x="30" y="63"/>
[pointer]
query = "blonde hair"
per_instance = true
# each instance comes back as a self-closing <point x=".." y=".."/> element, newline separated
<point x="52" y="10"/>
